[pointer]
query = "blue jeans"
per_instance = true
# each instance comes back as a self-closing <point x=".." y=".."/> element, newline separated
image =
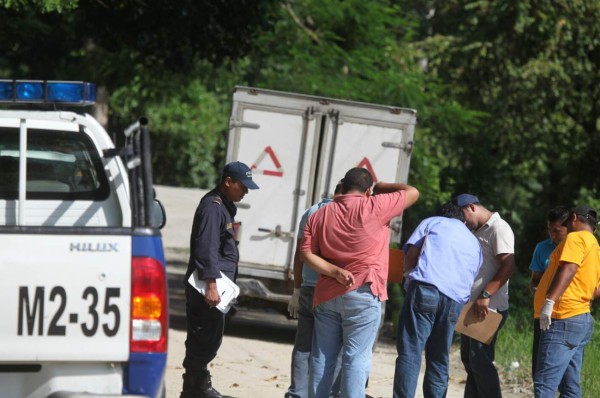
<point x="478" y="360"/>
<point x="302" y="347"/>
<point x="349" y="324"/>
<point x="560" y="355"/>
<point x="427" y="323"/>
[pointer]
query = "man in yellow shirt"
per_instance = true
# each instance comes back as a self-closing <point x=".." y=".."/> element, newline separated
<point x="562" y="303"/>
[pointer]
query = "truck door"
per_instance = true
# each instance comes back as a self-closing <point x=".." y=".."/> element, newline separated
<point x="360" y="135"/>
<point x="277" y="143"/>
<point x="299" y="147"/>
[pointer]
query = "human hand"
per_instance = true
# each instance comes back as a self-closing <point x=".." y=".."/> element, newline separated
<point x="532" y="288"/>
<point x="344" y="277"/>
<point x="480" y="307"/>
<point x="294" y="304"/>
<point x="546" y="314"/>
<point x="212" y="296"/>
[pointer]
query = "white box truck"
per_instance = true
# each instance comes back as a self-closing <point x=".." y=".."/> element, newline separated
<point x="299" y="147"/>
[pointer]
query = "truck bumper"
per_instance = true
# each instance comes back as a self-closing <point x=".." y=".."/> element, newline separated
<point x="255" y="288"/>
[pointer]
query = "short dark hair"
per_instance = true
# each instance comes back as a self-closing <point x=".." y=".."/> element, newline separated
<point x="357" y="179"/>
<point x="338" y="187"/>
<point x="451" y="210"/>
<point x="558" y="213"/>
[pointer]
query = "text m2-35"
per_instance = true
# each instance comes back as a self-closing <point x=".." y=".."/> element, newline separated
<point x="95" y="317"/>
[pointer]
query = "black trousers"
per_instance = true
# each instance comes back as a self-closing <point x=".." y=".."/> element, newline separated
<point x="536" y="343"/>
<point x="205" y="328"/>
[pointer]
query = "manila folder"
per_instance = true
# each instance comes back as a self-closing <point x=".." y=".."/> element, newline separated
<point x="226" y="287"/>
<point x="480" y="330"/>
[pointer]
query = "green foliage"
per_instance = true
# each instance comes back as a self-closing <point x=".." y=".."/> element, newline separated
<point x="590" y="383"/>
<point x="42" y="5"/>
<point x="345" y="49"/>
<point x="172" y="61"/>
<point x="513" y="347"/>
<point x="533" y="67"/>
<point x="362" y="51"/>
<point x="507" y="92"/>
<point x="187" y="124"/>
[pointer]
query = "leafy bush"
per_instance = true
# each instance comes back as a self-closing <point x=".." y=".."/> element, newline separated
<point x="188" y="126"/>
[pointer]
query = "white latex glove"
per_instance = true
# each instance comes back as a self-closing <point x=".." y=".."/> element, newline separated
<point x="546" y="314"/>
<point x="294" y="303"/>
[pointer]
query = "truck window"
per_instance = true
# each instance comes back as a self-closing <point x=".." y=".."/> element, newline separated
<point x="61" y="165"/>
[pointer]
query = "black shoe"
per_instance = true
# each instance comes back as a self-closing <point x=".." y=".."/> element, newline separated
<point x="199" y="386"/>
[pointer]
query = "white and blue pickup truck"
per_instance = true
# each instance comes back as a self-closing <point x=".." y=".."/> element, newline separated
<point x="83" y="284"/>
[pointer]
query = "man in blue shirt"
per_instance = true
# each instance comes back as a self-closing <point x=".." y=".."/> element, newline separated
<point x="300" y="306"/>
<point x="557" y="232"/>
<point x="442" y="259"/>
<point x="539" y="262"/>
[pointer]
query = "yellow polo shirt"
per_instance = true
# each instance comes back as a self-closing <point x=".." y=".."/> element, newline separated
<point x="580" y="248"/>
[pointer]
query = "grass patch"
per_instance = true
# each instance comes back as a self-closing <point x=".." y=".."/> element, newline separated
<point x="590" y="382"/>
<point x="514" y="346"/>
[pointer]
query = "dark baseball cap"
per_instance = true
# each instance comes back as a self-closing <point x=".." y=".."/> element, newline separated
<point x="465" y="199"/>
<point x="586" y="212"/>
<point x="240" y="171"/>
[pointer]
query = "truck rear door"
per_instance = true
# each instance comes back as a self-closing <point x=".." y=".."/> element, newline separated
<point x="278" y="144"/>
<point x="299" y="147"/>
<point x="374" y="137"/>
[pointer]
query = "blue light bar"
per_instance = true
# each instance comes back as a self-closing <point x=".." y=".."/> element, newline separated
<point x="49" y="92"/>
<point x="6" y="90"/>
<point x="30" y="91"/>
<point x="72" y="92"/>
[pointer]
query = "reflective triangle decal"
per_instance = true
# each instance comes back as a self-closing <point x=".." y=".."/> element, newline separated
<point x="268" y="151"/>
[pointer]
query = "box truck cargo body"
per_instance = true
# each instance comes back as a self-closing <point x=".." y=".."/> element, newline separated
<point x="299" y="147"/>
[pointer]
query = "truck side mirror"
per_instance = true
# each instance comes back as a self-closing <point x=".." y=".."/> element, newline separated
<point x="160" y="216"/>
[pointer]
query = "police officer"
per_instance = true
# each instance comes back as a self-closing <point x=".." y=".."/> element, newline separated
<point x="213" y="250"/>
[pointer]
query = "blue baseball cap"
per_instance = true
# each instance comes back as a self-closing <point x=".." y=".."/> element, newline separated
<point x="465" y="199"/>
<point x="241" y="172"/>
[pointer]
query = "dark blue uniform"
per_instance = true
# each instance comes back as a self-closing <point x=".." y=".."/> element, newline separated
<point x="213" y="250"/>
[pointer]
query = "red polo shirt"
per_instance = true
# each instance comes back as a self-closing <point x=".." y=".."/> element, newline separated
<point x="353" y="233"/>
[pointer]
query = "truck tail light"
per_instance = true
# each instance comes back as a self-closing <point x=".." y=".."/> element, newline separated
<point x="148" y="306"/>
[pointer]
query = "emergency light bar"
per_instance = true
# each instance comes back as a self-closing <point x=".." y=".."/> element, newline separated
<point x="47" y="91"/>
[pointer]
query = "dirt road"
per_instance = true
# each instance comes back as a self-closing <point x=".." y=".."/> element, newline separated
<point x="254" y="360"/>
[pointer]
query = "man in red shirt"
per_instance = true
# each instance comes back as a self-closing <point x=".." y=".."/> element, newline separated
<point x="347" y="242"/>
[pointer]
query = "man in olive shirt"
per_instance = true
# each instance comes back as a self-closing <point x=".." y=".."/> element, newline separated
<point x="489" y="292"/>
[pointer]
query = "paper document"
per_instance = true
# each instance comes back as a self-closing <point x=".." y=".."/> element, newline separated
<point x="228" y="290"/>
<point x="480" y="330"/>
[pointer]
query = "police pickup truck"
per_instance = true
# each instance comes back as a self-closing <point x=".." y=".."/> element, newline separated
<point x="83" y="286"/>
